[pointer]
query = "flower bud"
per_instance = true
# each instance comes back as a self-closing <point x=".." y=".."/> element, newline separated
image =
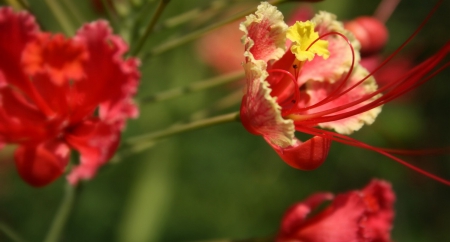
<point x="370" y="32"/>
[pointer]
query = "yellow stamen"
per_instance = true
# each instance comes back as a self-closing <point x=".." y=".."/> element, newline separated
<point x="302" y="34"/>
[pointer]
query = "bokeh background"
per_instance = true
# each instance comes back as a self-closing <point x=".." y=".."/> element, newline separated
<point x="222" y="182"/>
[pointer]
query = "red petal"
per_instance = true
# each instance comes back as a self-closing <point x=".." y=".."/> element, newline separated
<point x="296" y="215"/>
<point x="96" y="142"/>
<point x="307" y="155"/>
<point x="379" y="199"/>
<point x="40" y="165"/>
<point x="16" y="30"/>
<point x="338" y="223"/>
<point x="110" y="80"/>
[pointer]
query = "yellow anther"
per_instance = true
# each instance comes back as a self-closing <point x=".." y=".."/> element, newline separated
<point x="302" y="34"/>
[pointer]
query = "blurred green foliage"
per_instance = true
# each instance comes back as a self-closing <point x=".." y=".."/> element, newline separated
<point x="222" y="182"/>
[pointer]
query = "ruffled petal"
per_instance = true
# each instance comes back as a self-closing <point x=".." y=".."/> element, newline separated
<point x="379" y="198"/>
<point x="264" y="40"/>
<point x="356" y="216"/>
<point x="340" y="222"/>
<point x="265" y="33"/>
<point x="16" y="30"/>
<point x="96" y="142"/>
<point x="260" y="113"/>
<point x="307" y="155"/>
<point x="42" y="164"/>
<point x="110" y="79"/>
<point x="296" y="215"/>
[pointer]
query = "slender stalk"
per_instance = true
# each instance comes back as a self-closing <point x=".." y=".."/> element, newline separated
<point x="110" y="11"/>
<point x="162" y="5"/>
<point x="63" y="213"/>
<point x="192" y="14"/>
<point x="74" y="10"/>
<point x="193" y="87"/>
<point x="385" y="9"/>
<point x="60" y="16"/>
<point x="181" y="128"/>
<point x="19" y="3"/>
<point x="10" y="233"/>
<point x="168" y="45"/>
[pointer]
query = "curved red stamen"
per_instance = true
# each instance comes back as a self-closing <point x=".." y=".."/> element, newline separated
<point x="353" y="142"/>
<point x="296" y="89"/>
<point x="333" y="95"/>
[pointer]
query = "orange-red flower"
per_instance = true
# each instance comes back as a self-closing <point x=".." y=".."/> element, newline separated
<point x="359" y="216"/>
<point x="58" y="94"/>
<point x="314" y="79"/>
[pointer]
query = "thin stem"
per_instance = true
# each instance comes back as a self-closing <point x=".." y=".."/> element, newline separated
<point x="181" y="128"/>
<point x="162" y="5"/>
<point x="210" y="8"/>
<point x="63" y="213"/>
<point x="385" y="9"/>
<point x="19" y="3"/>
<point x="193" y="87"/>
<point x="110" y="11"/>
<point x="62" y="18"/>
<point x="75" y="12"/>
<point x="10" y="233"/>
<point x="168" y="45"/>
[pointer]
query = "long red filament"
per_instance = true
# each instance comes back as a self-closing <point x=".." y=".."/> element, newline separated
<point x="350" y="141"/>
<point x="410" y="81"/>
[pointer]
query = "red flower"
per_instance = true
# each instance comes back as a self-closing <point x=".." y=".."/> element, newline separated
<point x="355" y="216"/>
<point x="313" y="80"/>
<point x="60" y="93"/>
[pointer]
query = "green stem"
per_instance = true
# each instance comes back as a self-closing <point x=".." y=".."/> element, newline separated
<point x="75" y="12"/>
<point x="210" y="8"/>
<point x="19" y="3"/>
<point x="168" y="45"/>
<point x="61" y="17"/>
<point x="63" y="213"/>
<point x="181" y="128"/>
<point x="193" y="87"/>
<point x="10" y="233"/>
<point x="162" y="5"/>
<point x="110" y="9"/>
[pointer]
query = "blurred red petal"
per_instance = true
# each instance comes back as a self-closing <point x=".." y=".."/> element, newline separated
<point x="42" y="164"/>
<point x="308" y="155"/>
<point x="96" y="142"/>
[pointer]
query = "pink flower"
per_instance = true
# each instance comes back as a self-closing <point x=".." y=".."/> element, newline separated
<point x="355" y="216"/>
<point x="60" y="93"/>
<point x="314" y="79"/>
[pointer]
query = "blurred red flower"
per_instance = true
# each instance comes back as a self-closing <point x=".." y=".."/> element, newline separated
<point x="359" y="216"/>
<point x="58" y="94"/>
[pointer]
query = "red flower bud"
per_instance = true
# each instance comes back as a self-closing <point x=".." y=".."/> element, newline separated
<point x="371" y="33"/>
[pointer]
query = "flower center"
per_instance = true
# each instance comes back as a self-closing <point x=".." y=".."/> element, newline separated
<point x="61" y="58"/>
<point x="306" y="42"/>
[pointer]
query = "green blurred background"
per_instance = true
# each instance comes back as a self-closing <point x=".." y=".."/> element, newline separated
<point x="222" y="182"/>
